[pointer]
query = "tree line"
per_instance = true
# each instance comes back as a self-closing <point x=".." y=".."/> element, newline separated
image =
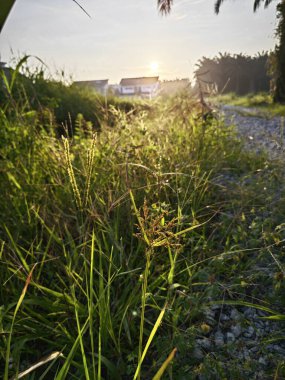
<point x="278" y="57"/>
<point x="237" y="73"/>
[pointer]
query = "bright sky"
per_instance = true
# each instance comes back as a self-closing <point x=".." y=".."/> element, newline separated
<point x="128" y="38"/>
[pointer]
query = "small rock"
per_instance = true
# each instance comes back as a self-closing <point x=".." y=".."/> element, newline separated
<point x="262" y="361"/>
<point x="224" y="317"/>
<point x="253" y="350"/>
<point x="259" y="332"/>
<point x="210" y="317"/>
<point x="279" y="349"/>
<point x="251" y="343"/>
<point x="204" y="343"/>
<point x="215" y="307"/>
<point x="235" y="315"/>
<point x="246" y="354"/>
<point x="249" y="313"/>
<point x="198" y="353"/>
<point x="249" y="332"/>
<point x="261" y="313"/>
<point x="230" y="337"/>
<point x="236" y="330"/>
<point x="260" y="324"/>
<point x="219" y="339"/>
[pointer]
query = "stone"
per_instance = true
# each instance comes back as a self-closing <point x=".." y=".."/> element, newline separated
<point x="262" y="361"/>
<point x="235" y="315"/>
<point x="279" y="349"/>
<point x="246" y="354"/>
<point x="215" y="307"/>
<point x="249" y="313"/>
<point x="210" y="318"/>
<point x="249" y="332"/>
<point x="236" y="330"/>
<point x="230" y="337"/>
<point x="219" y="339"/>
<point x="197" y="353"/>
<point x="224" y="318"/>
<point x="204" y="343"/>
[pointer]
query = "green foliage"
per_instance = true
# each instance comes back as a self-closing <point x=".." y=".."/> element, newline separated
<point x="57" y="104"/>
<point x="279" y="79"/>
<point x="260" y="103"/>
<point x="120" y="240"/>
<point x="236" y="73"/>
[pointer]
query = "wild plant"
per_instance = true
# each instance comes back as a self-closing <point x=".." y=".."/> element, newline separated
<point x="129" y="233"/>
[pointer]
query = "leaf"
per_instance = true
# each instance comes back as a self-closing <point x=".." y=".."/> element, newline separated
<point x="162" y="369"/>
<point x="46" y="359"/>
<point x="22" y="296"/>
<point x="150" y="338"/>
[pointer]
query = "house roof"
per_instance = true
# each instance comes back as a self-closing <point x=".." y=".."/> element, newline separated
<point x="142" y="81"/>
<point x="94" y="83"/>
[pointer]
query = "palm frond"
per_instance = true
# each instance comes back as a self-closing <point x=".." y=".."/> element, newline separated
<point x="80" y="6"/>
<point x="267" y="2"/>
<point x="218" y="4"/>
<point x="257" y="3"/>
<point x="164" y="6"/>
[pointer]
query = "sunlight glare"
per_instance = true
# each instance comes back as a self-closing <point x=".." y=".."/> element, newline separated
<point x="154" y="67"/>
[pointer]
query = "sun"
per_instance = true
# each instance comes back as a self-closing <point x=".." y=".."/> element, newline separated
<point x="154" y="67"/>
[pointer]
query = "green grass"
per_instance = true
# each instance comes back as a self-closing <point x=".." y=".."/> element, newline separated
<point x="113" y="245"/>
<point x="261" y="102"/>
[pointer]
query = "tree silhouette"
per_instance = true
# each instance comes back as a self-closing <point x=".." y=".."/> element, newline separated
<point x="279" y="61"/>
<point x="237" y="73"/>
<point x="256" y="4"/>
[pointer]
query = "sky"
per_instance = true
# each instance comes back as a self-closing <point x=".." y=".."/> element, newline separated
<point x="129" y="38"/>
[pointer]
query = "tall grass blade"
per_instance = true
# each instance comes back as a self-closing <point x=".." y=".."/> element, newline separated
<point x="28" y="280"/>
<point x="164" y="366"/>
<point x="52" y="357"/>
<point x="65" y="368"/>
<point x="148" y="343"/>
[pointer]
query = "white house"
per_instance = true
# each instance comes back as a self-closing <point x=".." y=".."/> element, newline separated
<point x="145" y="87"/>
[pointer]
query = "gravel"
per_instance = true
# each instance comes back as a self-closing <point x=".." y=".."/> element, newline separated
<point x="259" y="132"/>
<point x="241" y="334"/>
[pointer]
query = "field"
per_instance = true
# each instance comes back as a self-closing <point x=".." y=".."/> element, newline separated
<point x="116" y="240"/>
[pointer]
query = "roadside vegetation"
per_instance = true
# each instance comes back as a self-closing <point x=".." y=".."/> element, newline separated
<point x="118" y="229"/>
<point x="260" y="102"/>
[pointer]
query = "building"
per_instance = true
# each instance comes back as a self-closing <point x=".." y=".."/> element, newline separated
<point x="100" y="86"/>
<point x="144" y="87"/>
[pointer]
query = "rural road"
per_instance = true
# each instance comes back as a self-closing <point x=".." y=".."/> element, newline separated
<point x="260" y="131"/>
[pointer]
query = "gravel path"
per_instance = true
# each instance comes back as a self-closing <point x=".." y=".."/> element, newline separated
<point x="261" y="132"/>
<point x="240" y="337"/>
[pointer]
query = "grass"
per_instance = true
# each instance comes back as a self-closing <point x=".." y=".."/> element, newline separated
<point x="113" y="245"/>
<point x="262" y="103"/>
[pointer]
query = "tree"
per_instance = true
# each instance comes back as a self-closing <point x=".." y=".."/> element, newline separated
<point x="279" y="59"/>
